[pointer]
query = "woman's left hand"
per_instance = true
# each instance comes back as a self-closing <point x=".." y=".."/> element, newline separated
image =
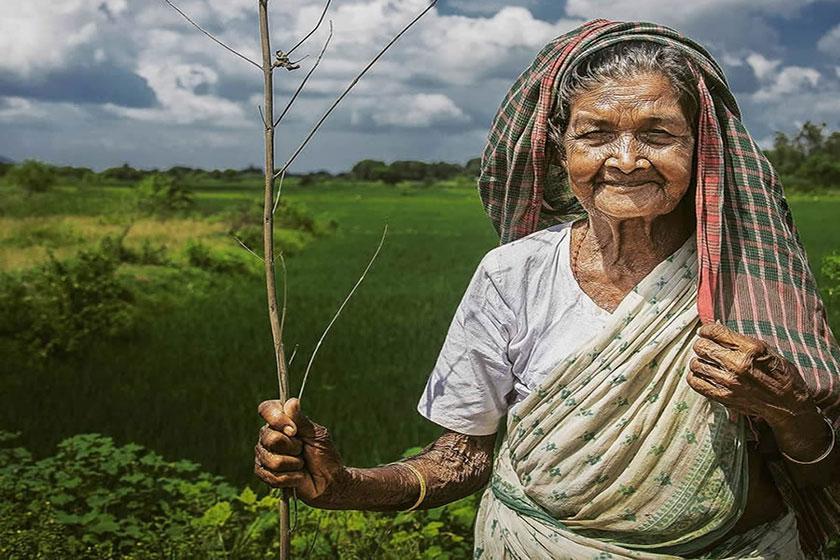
<point x="747" y="376"/>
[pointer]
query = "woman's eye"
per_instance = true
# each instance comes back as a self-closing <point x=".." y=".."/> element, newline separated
<point x="597" y="135"/>
<point x="658" y="134"/>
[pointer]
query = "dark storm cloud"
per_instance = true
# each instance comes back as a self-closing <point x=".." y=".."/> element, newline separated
<point x="103" y="83"/>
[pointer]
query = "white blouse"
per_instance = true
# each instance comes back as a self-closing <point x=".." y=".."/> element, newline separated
<point x="523" y="312"/>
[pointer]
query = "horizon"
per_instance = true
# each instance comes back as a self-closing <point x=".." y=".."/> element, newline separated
<point x="137" y="84"/>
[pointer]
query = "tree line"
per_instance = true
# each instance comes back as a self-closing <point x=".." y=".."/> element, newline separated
<point x="807" y="161"/>
<point x="35" y="176"/>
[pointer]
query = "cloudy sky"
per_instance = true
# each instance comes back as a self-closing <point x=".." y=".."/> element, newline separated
<point x="102" y="82"/>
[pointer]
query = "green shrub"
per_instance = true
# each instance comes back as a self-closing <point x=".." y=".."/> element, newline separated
<point x="201" y="256"/>
<point x="32" y="176"/>
<point x="61" y="307"/>
<point x="163" y="194"/>
<point x="93" y="499"/>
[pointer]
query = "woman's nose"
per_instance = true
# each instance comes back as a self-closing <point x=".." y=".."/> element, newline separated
<point x="626" y="157"/>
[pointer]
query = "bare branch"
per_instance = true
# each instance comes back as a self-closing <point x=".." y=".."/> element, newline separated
<point x="262" y="116"/>
<point x="277" y="194"/>
<point x="337" y="313"/>
<point x="186" y="17"/>
<point x="294" y="353"/>
<point x="305" y="78"/>
<point x="285" y="292"/>
<point x="246" y="247"/>
<point x="314" y="29"/>
<point x="349" y="87"/>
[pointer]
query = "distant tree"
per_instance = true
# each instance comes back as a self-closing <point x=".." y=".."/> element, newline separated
<point x="810" y="160"/>
<point x="473" y="167"/>
<point x="162" y="194"/>
<point x="32" y="176"/>
<point x="123" y="173"/>
<point x="369" y="170"/>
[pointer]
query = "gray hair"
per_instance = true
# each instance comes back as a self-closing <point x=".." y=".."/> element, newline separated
<point x="621" y="61"/>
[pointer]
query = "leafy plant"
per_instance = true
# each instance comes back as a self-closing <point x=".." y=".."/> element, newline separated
<point x="32" y="176"/>
<point x="94" y="499"/>
<point x="62" y="306"/>
<point x="163" y="194"/>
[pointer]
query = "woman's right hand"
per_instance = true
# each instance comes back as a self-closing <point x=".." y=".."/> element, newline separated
<point x="294" y="452"/>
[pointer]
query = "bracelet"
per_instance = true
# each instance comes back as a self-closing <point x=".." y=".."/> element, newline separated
<point x="422" y="481"/>
<point x="825" y="453"/>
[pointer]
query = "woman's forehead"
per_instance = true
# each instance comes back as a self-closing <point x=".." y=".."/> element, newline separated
<point x="648" y="97"/>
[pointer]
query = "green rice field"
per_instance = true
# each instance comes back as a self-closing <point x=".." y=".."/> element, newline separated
<point x="187" y="382"/>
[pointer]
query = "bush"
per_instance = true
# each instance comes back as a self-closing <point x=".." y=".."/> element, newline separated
<point x="161" y="194"/>
<point x="94" y="499"/>
<point x="201" y="256"/>
<point x="32" y="176"/>
<point x="59" y="308"/>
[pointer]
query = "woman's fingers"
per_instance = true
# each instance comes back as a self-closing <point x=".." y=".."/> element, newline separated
<point x="272" y="412"/>
<point x="728" y="338"/>
<point x="276" y="462"/>
<point x="738" y="363"/>
<point x="278" y="442"/>
<point x="282" y="480"/>
<point x="303" y="426"/>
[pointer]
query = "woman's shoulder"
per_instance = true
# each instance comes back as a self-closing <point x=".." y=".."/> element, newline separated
<point x="532" y="248"/>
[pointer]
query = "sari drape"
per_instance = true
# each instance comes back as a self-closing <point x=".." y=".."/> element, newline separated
<point x="614" y="453"/>
<point x="752" y="272"/>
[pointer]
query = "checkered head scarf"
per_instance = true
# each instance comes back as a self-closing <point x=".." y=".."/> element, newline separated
<point x="753" y="272"/>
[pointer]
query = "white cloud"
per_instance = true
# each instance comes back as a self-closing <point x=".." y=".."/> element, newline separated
<point x="830" y="42"/>
<point x="408" y="111"/>
<point x="665" y="10"/>
<point x="777" y="84"/>
<point x="40" y="35"/>
<point x="488" y="7"/>
<point x="175" y="86"/>
<point x="762" y="67"/>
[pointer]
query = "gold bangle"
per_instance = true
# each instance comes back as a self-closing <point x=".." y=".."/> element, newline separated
<point x="422" y="481"/>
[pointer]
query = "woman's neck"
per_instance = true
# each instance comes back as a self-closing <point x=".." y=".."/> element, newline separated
<point x="633" y="247"/>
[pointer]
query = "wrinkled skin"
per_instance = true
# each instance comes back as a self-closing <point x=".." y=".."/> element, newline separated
<point x="628" y="154"/>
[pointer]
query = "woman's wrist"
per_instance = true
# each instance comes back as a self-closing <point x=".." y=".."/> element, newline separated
<point x="802" y="436"/>
<point x="384" y="488"/>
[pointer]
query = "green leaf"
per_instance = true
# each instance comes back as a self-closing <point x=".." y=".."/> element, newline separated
<point x="216" y="515"/>
<point x="247" y="496"/>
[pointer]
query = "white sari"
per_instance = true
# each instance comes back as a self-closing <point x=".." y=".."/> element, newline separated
<point x="615" y="456"/>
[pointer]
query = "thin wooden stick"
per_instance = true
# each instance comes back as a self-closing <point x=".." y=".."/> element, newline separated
<point x="337" y="313"/>
<point x="268" y="251"/>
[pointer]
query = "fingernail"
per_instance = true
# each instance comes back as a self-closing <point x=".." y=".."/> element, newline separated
<point x="289" y="431"/>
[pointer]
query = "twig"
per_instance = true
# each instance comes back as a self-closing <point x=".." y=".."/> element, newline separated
<point x="277" y="194"/>
<point x="262" y="116"/>
<point x="294" y="353"/>
<point x="337" y="313"/>
<point x="314" y="29"/>
<point x="246" y="247"/>
<point x="305" y="78"/>
<point x="285" y="293"/>
<point x="186" y="17"/>
<point x="349" y="87"/>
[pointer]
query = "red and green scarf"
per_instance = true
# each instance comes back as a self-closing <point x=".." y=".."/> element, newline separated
<point x="753" y="272"/>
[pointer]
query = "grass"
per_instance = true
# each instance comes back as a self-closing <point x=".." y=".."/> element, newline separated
<point x="188" y="380"/>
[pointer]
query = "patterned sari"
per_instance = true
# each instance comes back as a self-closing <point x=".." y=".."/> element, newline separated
<point x="615" y="454"/>
<point x="640" y="466"/>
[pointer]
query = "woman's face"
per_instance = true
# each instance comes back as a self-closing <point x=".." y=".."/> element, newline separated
<point x="629" y="148"/>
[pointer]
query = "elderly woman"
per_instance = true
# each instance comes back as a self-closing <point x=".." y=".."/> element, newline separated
<point x="625" y="429"/>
